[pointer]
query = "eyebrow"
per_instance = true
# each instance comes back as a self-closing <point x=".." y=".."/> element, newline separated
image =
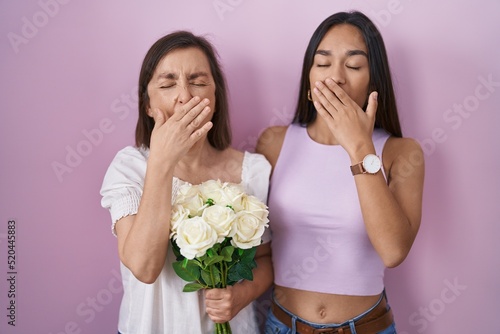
<point x="169" y="76"/>
<point x="348" y="53"/>
<point x="174" y="76"/>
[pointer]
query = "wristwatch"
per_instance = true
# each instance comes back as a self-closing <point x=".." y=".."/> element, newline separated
<point x="371" y="164"/>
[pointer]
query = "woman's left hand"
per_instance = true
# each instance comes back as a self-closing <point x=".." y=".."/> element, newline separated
<point x="351" y="126"/>
<point x="222" y="304"/>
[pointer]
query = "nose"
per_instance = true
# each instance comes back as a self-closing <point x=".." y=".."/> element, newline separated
<point x="184" y="95"/>
<point x="338" y="74"/>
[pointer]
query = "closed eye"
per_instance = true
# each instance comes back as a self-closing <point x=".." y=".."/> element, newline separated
<point x="323" y="65"/>
<point x="354" y="67"/>
<point x="167" y="86"/>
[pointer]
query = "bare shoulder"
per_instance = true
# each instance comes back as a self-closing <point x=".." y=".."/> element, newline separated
<point x="270" y="143"/>
<point x="400" y="146"/>
<point x="403" y="157"/>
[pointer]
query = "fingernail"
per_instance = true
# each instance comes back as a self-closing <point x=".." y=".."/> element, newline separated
<point x="329" y="81"/>
<point x="206" y="101"/>
<point x="375" y="95"/>
<point x="318" y="84"/>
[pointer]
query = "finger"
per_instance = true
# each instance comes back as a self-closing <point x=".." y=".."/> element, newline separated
<point x="183" y="110"/>
<point x="213" y="294"/>
<point x="325" y="97"/>
<point x="341" y="95"/>
<point x="322" y="111"/>
<point x="342" y="98"/>
<point x="371" y="108"/>
<point x="199" y="133"/>
<point x="195" y="123"/>
<point x="330" y="90"/>
<point x="217" y="318"/>
<point x="201" y="108"/>
<point x="219" y="314"/>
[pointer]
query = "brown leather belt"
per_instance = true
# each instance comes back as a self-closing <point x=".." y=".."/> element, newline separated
<point x="374" y="321"/>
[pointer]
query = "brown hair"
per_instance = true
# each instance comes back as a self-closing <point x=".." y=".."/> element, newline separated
<point x="219" y="135"/>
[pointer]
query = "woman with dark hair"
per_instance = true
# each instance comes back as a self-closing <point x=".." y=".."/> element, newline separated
<point x="182" y="137"/>
<point x="346" y="189"/>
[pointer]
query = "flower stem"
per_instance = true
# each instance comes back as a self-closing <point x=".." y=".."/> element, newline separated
<point x="212" y="277"/>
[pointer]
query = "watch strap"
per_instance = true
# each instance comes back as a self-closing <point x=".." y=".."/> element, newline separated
<point x="357" y="169"/>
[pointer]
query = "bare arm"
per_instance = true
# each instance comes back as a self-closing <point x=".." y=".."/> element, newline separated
<point x="391" y="212"/>
<point x="143" y="238"/>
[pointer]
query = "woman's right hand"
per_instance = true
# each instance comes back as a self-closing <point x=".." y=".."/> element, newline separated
<point x="172" y="137"/>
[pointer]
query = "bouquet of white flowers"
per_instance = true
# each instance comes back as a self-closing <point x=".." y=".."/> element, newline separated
<point x="216" y="228"/>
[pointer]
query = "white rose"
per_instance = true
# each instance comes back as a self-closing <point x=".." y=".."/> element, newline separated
<point x="220" y="218"/>
<point x="234" y="193"/>
<point x="194" y="236"/>
<point x="190" y="198"/>
<point x="247" y="230"/>
<point x="213" y="189"/>
<point x="179" y="213"/>
<point x="255" y="206"/>
<point x="186" y="191"/>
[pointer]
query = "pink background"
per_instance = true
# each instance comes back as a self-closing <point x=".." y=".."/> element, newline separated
<point x="68" y="80"/>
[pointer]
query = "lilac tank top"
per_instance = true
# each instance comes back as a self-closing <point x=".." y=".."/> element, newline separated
<point x="319" y="240"/>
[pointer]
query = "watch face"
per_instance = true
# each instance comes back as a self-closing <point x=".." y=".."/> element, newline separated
<point x="372" y="163"/>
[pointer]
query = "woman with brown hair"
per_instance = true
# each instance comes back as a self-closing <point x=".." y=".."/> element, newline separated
<point x="182" y="137"/>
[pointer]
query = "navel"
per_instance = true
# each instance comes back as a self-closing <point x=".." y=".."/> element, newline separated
<point x="322" y="312"/>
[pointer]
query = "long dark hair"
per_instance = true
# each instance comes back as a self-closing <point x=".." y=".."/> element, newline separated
<point x="219" y="135"/>
<point x="380" y="74"/>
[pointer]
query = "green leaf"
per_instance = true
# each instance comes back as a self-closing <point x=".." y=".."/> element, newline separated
<point x="240" y="271"/>
<point x="252" y="264"/>
<point x="206" y="278"/>
<point x="211" y="278"/>
<point x="217" y="276"/>
<point x="189" y="271"/>
<point x="248" y="255"/>
<point x="210" y="202"/>
<point x="245" y="272"/>
<point x="198" y="263"/>
<point x="227" y="253"/>
<point x="212" y="260"/>
<point x="216" y="248"/>
<point x="191" y="287"/>
<point x="230" y="282"/>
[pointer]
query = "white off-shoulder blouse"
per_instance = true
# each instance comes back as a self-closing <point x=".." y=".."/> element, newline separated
<point x="162" y="307"/>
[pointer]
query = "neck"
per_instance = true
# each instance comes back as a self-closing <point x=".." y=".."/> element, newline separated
<point x="197" y="156"/>
<point x="321" y="133"/>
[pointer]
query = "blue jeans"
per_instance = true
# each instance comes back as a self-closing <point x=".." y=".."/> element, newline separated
<point x="274" y="326"/>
